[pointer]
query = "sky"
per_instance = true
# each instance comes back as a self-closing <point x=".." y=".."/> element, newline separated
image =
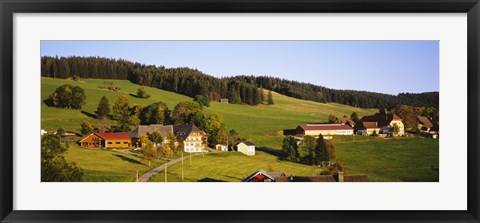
<point x="389" y="67"/>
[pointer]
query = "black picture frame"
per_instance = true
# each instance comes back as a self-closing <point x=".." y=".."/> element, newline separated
<point x="9" y="7"/>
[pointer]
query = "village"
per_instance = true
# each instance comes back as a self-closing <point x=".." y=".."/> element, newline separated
<point x="193" y="140"/>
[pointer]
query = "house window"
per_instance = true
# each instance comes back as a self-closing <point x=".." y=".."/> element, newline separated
<point x="117" y="142"/>
<point x="125" y="142"/>
<point x="109" y="142"/>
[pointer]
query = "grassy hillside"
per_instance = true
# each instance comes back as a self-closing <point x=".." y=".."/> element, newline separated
<point x="107" y="165"/>
<point x="70" y="119"/>
<point x="263" y="124"/>
<point x="401" y="159"/>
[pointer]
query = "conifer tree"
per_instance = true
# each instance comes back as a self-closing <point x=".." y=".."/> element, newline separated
<point x="103" y="108"/>
<point x="270" y="98"/>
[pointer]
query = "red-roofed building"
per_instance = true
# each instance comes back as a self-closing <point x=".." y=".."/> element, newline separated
<point x="324" y="129"/>
<point x="107" y="140"/>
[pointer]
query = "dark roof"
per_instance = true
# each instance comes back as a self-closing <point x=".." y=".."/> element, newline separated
<point x="310" y="127"/>
<point x="380" y="119"/>
<point x="320" y="178"/>
<point x="248" y="143"/>
<point x="345" y="120"/>
<point x="183" y="130"/>
<point x="277" y="174"/>
<point x="425" y="121"/>
<point x="147" y="129"/>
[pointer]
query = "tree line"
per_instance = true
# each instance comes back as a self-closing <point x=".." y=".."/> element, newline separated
<point x="238" y="89"/>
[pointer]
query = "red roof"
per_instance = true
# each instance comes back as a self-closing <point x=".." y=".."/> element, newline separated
<point x="114" y="136"/>
<point x="326" y="127"/>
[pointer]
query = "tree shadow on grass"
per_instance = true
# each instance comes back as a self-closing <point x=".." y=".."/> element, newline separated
<point x="289" y="132"/>
<point x="134" y="95"/>
<point x="231" y="177"/>
<point x="91" y="115"/>
<point x="130" y="160"/>
<point x="274" y="152"/>
<point x="48" y="102"/>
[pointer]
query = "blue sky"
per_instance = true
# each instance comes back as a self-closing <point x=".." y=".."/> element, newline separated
<point x="388" y="67"/>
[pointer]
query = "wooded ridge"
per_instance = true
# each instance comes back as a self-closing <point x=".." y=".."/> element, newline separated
<point x="238" y="89"/>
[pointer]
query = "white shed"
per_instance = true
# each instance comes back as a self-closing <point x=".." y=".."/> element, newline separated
<point x="247" y="148"/>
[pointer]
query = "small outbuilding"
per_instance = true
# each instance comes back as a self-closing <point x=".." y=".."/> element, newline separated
<point x="247" y="148"/>
<point x="221" y="147"/>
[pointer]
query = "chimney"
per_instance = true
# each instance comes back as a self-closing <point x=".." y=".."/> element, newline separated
<point x="340" y="176"/>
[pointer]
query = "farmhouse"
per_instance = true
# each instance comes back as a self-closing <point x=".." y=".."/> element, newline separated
<point x="221" y="147"/>
<point x="107" y="140"/>
<point x="381" y="124"/>
<point x="193" y="138"/>
<point x="263" y="176"/>
<point x="147" y="130"/>
<point x="346" y="121"/>
<point x="247" y="148"/>
<point x="324" y="129"/>
<point x="424" y="124"/>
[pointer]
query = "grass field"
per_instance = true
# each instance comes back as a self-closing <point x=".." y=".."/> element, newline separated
<point x="390" y="160"/>
<point x="231" y="166"/>
<point x="107" y="165"/>
<point x="383" y="160"/>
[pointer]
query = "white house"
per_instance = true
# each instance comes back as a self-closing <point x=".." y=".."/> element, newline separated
<point x="42" y="132"/>
<point x="247" y="148"/>
<point x="221" y="147"/>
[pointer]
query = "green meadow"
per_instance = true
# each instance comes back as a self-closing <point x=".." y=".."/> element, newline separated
<point x="101" y="165"/>
<point x="383" y="160"/>
<point x="387" y="160"/>
<point x="392" y="159"/>
<point x="231" y="166"/>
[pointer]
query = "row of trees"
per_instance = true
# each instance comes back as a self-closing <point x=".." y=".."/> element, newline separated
<point x="182" y="80"/>
<point x="311" y="151"/>
<point x="128" y="116"/>
<point x="238" y="89"/>
<point x="409" y="114"/>
<point x="363" y="99"/>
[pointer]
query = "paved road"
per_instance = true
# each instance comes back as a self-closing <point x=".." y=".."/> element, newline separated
<point x="155" y="171"/>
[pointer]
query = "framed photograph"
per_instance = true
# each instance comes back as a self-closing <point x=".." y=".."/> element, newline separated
<point x="239" y="111"/>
